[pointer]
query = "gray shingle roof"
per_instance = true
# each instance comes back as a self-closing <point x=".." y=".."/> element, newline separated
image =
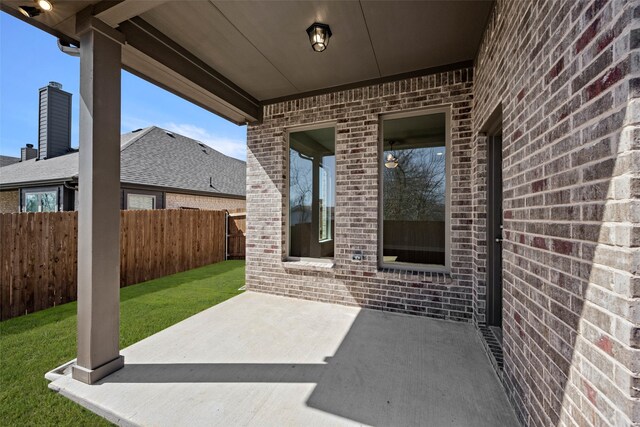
<point x="8" y="160"/>
<point x="57" y="168"/>
<point x="150" y="156"/>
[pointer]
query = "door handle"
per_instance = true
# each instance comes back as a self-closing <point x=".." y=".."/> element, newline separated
<point x="499" y="240"/>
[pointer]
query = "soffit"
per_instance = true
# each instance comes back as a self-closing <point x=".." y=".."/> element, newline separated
<point x="408" y="36"/>
<point x="263" y="47"/>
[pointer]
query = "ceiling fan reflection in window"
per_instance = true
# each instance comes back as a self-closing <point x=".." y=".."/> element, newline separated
<point x="391" y="162"/>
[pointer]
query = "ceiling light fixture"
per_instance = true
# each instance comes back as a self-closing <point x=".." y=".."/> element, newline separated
<point x="33" y="11"/>
<point x="45" y="5"/>
<point x="391" y="161"/>
<point x="29" y="11"/>
<point x="319" y="35"/>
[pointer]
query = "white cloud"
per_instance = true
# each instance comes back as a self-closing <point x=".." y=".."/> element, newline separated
<point x="129" y="123"/>
<point x="231" y="147"/>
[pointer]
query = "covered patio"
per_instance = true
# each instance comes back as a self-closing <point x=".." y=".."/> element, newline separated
<point x="530" y="110"/>
<point x="260" y="359"/>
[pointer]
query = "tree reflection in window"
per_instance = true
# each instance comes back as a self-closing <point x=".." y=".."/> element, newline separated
<point x="311" y="193"/>
<point x="41" y="201"/>
<point x="414" y="202"/>
<point x="415" y="189"/>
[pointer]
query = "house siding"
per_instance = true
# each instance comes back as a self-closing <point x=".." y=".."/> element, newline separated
<point x="356" y="114"/>
<point x="9" y="201"/>
<point x="54" y="134"/>
<point x="178" y="200"/>
<point x="565" y="74"/>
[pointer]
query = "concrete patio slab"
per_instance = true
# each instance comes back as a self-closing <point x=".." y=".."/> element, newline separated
<point x="266" y="360"/>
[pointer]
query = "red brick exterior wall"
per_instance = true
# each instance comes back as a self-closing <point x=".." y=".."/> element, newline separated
<point x="566" y="75"/>
<point x="356" y="113"/>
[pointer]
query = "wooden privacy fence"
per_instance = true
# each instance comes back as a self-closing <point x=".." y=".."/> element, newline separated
<point x="38" y="252"/>
<point x="236" y="235"/>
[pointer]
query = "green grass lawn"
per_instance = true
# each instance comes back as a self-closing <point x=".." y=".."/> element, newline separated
<point x="32" y="345"/>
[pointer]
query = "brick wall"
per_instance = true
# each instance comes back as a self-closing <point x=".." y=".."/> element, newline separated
<point x="566" y="75"/>
<point x="9" y="201"/>
<point x="177" y="201"/>
<point x="356" y="113"/>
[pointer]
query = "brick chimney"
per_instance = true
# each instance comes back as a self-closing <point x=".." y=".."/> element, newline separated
<point x="28" y="153"/>
<point x="54" y="130"/>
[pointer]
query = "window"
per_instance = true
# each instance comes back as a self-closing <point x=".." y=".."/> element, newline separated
<point x="140" y="201"/>
<point x="312" y="166"/>
<point x="415" y="211"/>
<point x="41" y="201"/>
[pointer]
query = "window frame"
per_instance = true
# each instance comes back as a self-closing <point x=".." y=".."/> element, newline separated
<point x="446" y="268"/>
<point x="153" y="197"/>
<point x="286" y="205"/>
<point x="39" y="190"/>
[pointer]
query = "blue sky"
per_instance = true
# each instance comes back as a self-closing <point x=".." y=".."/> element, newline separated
<point x="29" y="59"/>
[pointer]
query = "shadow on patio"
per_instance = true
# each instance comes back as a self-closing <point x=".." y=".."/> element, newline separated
<point x="269" y="360"/>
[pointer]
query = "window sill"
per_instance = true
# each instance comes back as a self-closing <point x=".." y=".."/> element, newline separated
<point x="317" y="265"/>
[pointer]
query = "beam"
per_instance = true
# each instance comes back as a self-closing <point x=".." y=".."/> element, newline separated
<point x="99" y="202"/>
<point x="149" y="41"/>
<point x="113" y="13"/>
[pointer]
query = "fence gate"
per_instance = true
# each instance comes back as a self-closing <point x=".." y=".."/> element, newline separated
<point x="236" y="229"/>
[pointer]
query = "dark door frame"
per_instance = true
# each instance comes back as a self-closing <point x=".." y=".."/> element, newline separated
<point x="494" y="221"/>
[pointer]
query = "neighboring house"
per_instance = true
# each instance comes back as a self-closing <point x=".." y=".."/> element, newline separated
<point x="471" y="161"/>
<point x="159" y="169"/>
<point x="8" y="198"/>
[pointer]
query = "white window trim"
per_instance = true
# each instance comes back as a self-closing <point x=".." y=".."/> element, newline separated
<point x="446" y="268"/>
<point x="285" y="205"/>
<point x="38" y="192"/>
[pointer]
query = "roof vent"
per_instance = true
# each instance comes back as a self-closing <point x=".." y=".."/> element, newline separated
<point x="169" y="133"/>
<point x="137" y="130"/>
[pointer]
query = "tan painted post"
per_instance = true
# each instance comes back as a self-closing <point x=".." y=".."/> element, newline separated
<point x="99" y="207"/>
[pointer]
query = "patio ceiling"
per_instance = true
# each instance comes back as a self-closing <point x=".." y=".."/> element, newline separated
<point x="232" y="57"/>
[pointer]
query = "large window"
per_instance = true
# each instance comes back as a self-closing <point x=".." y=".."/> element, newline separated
<point x="41" y="201"/>
<point x="414" y="191"/>
<point x="312" y="166"/>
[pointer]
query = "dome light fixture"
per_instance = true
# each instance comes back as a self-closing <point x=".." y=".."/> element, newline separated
<point x="319" y="35"/>
<point x="45" y="5"/>
<point x="391" y="162"/>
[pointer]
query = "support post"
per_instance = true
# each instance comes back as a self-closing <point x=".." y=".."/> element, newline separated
<point x="99" y="204"/>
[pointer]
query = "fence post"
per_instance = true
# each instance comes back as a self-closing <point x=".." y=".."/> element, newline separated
<point x="226" y="237"/>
